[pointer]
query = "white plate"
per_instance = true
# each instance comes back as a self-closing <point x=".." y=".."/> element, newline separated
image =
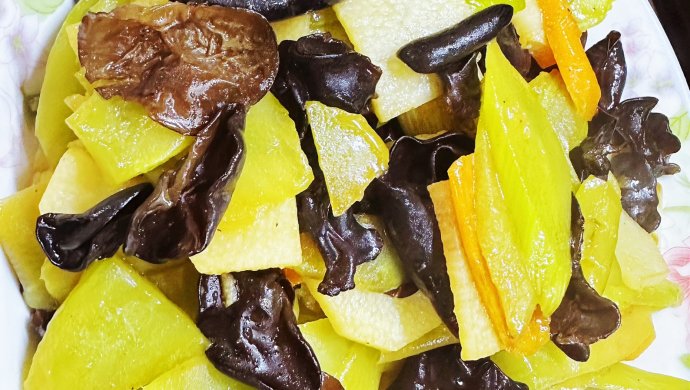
<point x="27" y="28"/>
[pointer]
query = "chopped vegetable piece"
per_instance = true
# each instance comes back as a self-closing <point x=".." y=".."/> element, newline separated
<point x="660" y="296"/>
<point x="476" y="329"/>
<point x="275" y="167"/>
<point x="623" y="377"/>
<point x="570" y="127"/>
<point x="350" y="152"/>
<point x="58" y="282"/>
<point x="113" y="318"/>
<point x="437" y="338"/>
<point x="638" y="256"/>
<point x="608" y="61"/>
<point x="76" y="184"/>
<point x="506" y="266"/>
<point x="353" y="365"/>
<point x="550" y="366"/>
<point x="429" y="118"/>
<point x="442" y="368"/>
<point x="450" y="47"/>
<point x="583" y="317"/>
<point x="272" y="9"/>
<point x="18" y="215"/>
<point x="255" y="339"/>
<point x="529" y="26"/>
<point x="191" y="200"/>
<point x="375" y="319"/>
<point x="600" y="203"/>
<point x="196" y="373"/>
<point x="52" y="132"/>
<point x="270" y="240"/>
<point x="378" y="30"/>
<point x="589" y="13"/>
<point x="150" y="55"/>
<point x="383" y="274"/>
<point x="72" y="241"/>
<point x="402" y="199"/>
<point x="518" y="5"/>
<point x="122" y="139"/>
<point x="564" y="35"/>
<point x="520" y="138"/>
<point x="316" y="22"/>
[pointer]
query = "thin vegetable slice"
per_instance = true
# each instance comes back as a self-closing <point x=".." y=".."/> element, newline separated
<point x="564" y="35"/>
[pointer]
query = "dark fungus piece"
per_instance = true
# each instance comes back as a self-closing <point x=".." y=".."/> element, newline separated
<point x="401" y="198"/>
<point x="319" y="67"/>
<point x="343" y="242"/>
<point x="39" y="321"/>
<point x="462" y="93"/>
<point x="73" y="241"/>
<point x="443" y="369"/>
<point x="436" y="52"/>
<point x="608" y="61"/>
<point x="179" y="219"/>
<point x="635" y="145"/>
<point x="583" y="317"/>
<point x="271" y="9"/>
<point x="184" y="63"/>
<point x="255" y="339"/>
<point x="509" y="42"/>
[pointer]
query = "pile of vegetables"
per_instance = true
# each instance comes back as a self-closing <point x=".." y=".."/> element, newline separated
<point x="391" y="194"/>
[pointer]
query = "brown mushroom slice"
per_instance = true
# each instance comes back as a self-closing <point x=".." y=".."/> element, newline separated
<point x="183" y="62"/>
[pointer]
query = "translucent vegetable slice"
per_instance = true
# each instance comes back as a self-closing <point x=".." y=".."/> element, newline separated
<point x="521" y="139"/>
<point x="121" y="137"/>
<point x="196" y="373"/>
<point x="378" y="29"/>
<point x="316" y="22"/>
<point x="353" y="364"/>
<point x="550" y="366"/>
<point x="114" y="317"/>
<point x="18" y="215"/>
<point x="378" y="320"/>
<point x="270" y="241"/>
<point x="351" y="154"/>
<point x="275" y="167"/>
<point x="476" y="330"/>
<point x="601" y="207"/>
<point x="623" y="377"/>
<point x="437" y="338"/>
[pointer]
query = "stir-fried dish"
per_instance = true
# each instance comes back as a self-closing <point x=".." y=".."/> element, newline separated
<point x="357" y="194"/>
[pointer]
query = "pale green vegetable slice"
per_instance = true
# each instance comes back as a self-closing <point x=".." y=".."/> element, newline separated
<point x="436" y="338"/>
<point x="196" y="373"/>
<point x="314" y="22"/>
<point x="121" y="137"/>
<point x="271" y="240"/>
<point x="18" y="215"/>
<point x="638" y="255"/>
<point x="353" y="364"/>
<point x="114" y="318"/>
<point x="351" y="154"/>
<point x="378" y="29"/>
<point x="375" y="319"/>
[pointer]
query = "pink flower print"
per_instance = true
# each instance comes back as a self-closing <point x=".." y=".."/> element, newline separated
<point x="678" y="260"/>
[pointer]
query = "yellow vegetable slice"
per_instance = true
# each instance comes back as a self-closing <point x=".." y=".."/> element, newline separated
<point x="314" y="22"/>
<point x="121" y="137"/>
<point x="623" y="377"/>
<point x="476" y="329"/>
<point x="18" y="215"/>
<point x="351" y="154"/>
<point x="638" y="255"/>
<point x="378" y="29"/>
<point x="375" y="319"/>
<point x="196" y="373"/>
<point x="437" y="338"/>
<point x="270" y="241"/>
<point x="113" y="318"/>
